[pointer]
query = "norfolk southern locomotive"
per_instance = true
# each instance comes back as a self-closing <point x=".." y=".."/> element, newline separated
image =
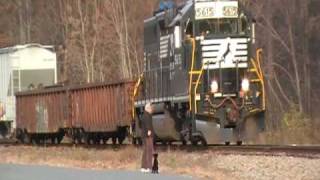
<point x="201" y="75"/>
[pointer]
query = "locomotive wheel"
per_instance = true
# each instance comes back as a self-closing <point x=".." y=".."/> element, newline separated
<point x="134" y="141"/>
<point x="194" y="143"/>
<point x="184" y="142"/>
<point x="203" y="142"/>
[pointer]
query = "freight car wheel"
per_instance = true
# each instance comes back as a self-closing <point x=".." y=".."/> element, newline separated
<point x="105" y="140"/>
<point x="35" y="141"/>
<point x="87" y="140"/>
<point x="26" y="138"/>
<point x="239" y="143"/>
<point x="53" y="140"/>
<point x="164" y="143"/>
<point x="79" y="140"/>
<point x="97" y="140"/>
<point x="114" y="140"/>
<point x="60" y="139"/>
<point x="121" y="139"/>
<point x="76" y="140"/>
<point x="227" y="143"/>
<point x="91" y="141"/>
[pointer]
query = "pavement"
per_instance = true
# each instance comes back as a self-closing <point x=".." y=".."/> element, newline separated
<point x="33" y="172"/>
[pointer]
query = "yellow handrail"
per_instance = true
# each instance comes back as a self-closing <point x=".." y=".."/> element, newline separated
<point x="135" y="93"/>
<point x="195" y="89"/>
<point x="258" y="53"/>
<point x="191" y="71"/>
<point x="259" y="73"/>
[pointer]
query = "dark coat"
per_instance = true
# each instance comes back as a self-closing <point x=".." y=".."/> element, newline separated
<point x="146" y="124"/>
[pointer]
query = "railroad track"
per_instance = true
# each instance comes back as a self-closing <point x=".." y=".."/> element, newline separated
<point x="305" y="151"/>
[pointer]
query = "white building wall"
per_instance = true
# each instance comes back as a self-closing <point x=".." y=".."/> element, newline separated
<point x="5" y="73"/>
<point x="31" y="57"/>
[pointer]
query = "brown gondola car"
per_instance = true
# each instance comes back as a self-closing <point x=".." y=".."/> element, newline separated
<point x="87" y="113"/>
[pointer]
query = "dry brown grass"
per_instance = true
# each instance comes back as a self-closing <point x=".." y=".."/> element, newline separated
<point x="126" y="158"/>
<point x="296" y="128"/>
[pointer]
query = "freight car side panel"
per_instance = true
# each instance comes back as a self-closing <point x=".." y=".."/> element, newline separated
<point x="102" y="108"/>
<point x="42" y="113"/>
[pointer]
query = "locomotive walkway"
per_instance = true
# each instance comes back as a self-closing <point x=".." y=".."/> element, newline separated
<point x="30" y="172"/>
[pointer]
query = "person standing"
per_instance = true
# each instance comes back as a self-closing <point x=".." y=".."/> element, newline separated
<point x="147" y="139"/>
<point x="2" y="110"/>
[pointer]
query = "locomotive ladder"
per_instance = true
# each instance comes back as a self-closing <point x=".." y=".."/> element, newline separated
<point x="194" y="80"/>
<point x="258" y="74"/>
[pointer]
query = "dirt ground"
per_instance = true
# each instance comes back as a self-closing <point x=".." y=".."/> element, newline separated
<point x="200" y="165"/>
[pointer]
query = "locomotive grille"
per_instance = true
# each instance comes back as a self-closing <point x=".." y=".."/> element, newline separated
<point x="225" y="53"/>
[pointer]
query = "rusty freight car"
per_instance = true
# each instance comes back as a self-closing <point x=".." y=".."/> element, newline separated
<point x="86" y="113"/>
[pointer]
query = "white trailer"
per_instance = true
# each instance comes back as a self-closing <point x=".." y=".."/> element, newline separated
<point x="23" y="67"/>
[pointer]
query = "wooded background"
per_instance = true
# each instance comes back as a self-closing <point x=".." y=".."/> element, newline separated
<point x="100" y="40"/>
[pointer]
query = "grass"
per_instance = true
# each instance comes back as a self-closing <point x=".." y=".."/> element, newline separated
<point x="193" y="164"/>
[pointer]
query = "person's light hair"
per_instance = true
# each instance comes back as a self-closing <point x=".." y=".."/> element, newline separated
<point x="148" y="108"/>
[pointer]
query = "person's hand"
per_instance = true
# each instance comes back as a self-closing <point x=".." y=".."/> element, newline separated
<point x="149" y="133"/>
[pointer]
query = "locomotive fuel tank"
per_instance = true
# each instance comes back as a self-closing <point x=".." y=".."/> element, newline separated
<point x="213" y="133"/>
<point x="164" y="124"/>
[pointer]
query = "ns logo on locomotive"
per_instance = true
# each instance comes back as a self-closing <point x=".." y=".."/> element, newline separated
<point x="202" y="74"/>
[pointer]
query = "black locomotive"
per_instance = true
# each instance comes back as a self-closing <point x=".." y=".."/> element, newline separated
<point x="201" y="75"/>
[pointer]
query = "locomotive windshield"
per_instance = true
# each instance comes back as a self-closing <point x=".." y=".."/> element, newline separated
<point x="217" y="17"/>
<point x="218" y="26"/>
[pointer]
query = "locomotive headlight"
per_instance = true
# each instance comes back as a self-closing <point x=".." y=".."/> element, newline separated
<point x="245" y="85"/>
<point x="214" y="86"/>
